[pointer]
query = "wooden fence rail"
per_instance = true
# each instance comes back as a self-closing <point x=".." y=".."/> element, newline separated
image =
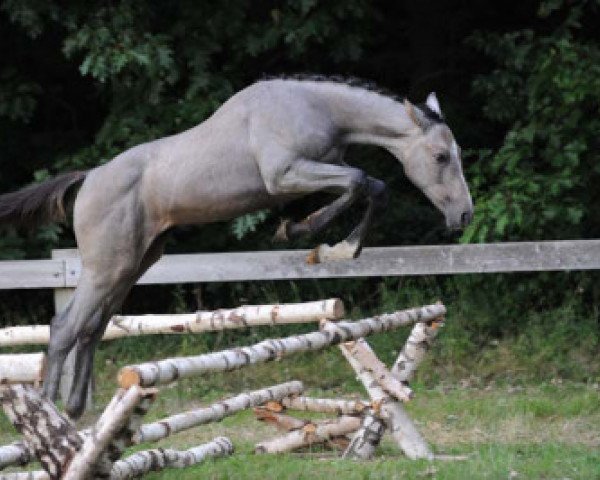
<point x="290" y="264"/>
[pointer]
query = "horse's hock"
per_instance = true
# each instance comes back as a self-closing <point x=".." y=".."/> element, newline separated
<point x="355" y="427"/>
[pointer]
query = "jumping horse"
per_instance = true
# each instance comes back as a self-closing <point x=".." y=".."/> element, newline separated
<point x="274" y="141"/>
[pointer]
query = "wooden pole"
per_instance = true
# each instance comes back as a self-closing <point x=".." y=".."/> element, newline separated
<point x="113" y="419"/>
<point x="158" y="459"/>
<point x="366" y="439"/>
<point x="367" y="358"/>
<point x="141" y="463"/>
<point x="310" y="434"/>
<point x="213" y="413"/>
<point x="402" y="428"/>
<point x="166" y="371"/>
<point x="412" y="354"/>
<point x="325" y="405"/>
<point x="52" y="437"/>
<point x="133" y="325"/>
<point x="22" y="367"/>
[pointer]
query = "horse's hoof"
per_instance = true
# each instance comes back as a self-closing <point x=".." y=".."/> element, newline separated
<point x="340" y="251"/>
<point x="313" y="257"/>
<point x="281" y="235"/>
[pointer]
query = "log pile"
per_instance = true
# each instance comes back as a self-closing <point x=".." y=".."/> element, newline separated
<point x="356" y="429"/>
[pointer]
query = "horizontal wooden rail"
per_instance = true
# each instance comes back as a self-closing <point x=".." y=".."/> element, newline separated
<point x="290" y="264"/>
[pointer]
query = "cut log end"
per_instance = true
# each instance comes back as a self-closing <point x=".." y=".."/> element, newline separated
<point x="129" y="377"/>
<point x="338" y="309"/>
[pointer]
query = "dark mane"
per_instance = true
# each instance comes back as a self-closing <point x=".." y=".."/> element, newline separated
<point x="357" y="82"/>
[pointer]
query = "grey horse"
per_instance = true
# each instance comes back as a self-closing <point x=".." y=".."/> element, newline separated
<point x="274" y="141"/>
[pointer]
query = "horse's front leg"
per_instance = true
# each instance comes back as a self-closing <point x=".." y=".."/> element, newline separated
<point x="376" y="193"/>
<point x="351" y="247"/>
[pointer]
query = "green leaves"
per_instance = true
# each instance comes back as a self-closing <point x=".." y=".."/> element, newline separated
<point x="546" y="90"/>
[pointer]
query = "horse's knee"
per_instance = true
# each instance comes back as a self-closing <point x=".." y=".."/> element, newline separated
<point x="378" y="192"/>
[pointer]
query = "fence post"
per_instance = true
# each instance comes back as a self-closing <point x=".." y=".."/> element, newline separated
<point x="62" y="296"/>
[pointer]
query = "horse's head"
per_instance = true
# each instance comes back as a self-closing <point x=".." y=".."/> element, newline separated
<point x="431" y="160"/>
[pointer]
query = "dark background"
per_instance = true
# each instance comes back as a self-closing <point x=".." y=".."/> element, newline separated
<point x="519" y="83"/>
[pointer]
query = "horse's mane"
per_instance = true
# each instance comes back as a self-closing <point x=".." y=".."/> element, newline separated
<point x="357" y="82"/>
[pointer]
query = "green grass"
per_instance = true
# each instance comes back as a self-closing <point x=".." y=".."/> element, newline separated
<point x="492" y="406"/>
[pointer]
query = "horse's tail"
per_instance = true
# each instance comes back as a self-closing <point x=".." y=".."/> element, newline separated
<point x="39" y="203"/>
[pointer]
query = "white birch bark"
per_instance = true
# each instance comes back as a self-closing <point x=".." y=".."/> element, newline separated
<point x="22" y="367"/>
<point x="51" y="436"/>
<point x="213" y="413"/>
<point x="17" y="453"/>
<point x="199" y="322"/>
<point x="33" y="475"/>
<point x="417" y="344"/>
<point x="401" y="427"/>
<point x="368" y="359"/>
<point x="20" y="453"/>
<point x="166" y="371"/>
<point x="366" y="439"/>
<point x="310" y="434"/>
<point x="148" y="461"/>
<point x="325" y="405"/>
<point x="113" y="419"/>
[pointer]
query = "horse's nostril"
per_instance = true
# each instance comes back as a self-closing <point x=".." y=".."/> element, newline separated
<point x="466" y="218"/>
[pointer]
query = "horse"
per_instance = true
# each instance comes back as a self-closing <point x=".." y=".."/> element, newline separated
<point x="274" y="141"/>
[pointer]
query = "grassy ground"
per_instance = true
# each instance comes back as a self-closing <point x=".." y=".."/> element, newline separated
<point x="521" y="430"/>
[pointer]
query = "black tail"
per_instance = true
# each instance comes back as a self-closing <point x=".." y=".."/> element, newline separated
<point x="39" y="203"/>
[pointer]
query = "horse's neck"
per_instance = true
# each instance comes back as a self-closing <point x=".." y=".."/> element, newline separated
<point x="367" y="117"/>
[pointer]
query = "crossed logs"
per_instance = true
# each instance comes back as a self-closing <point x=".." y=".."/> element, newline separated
<point x="96" y="452"/>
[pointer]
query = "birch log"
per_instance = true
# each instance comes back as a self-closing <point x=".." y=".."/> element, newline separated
<point x="22" y="368"/>
<point x="18" y="453"/>
<point x="401" y="427"/>
<point x="325" y="405"/>
<point x="417" y="344"/>
<point x="199" y="322"/>
<point x="368" y="359"/>
<point x="310" y="434"/>
<point x="281" y="421"/>
<point x="112" y="420"/>
<point x="134" y="433"/>
<point x="51" y="436"/>
<point x="33" y="475"/>
<point x="183" y="421"/>
<point x="148" y="461"/>
<point x="366" y="438"/>
<point x="166" y="371"/>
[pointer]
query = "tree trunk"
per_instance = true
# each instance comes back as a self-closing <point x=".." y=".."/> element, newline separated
<point x="402" y="428"/>
<point x="166" y="371"/>
<point x="325" y="405"/>
<point x="22" y="368"/>
<point x="366" y="439"/>
<point x="310" y="434"/>
<point x="149" y="461"/>
<point x="241" y="317"/>
<point x="113" y="419"/>
<point x="363" y="353"/>
<point x="213" y="413"/>
<point x="417" y="344"/>
<point x="51" y="436"/>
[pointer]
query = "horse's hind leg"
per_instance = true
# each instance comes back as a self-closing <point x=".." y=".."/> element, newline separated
<point x="86" y="344"/>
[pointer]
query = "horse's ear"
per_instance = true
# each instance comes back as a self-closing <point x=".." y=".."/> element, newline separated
<point x="432" y="102"/>
<point x="416" y="115"/>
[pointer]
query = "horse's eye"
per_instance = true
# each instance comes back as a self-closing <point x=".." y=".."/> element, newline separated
<point x="442" y="158"/>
